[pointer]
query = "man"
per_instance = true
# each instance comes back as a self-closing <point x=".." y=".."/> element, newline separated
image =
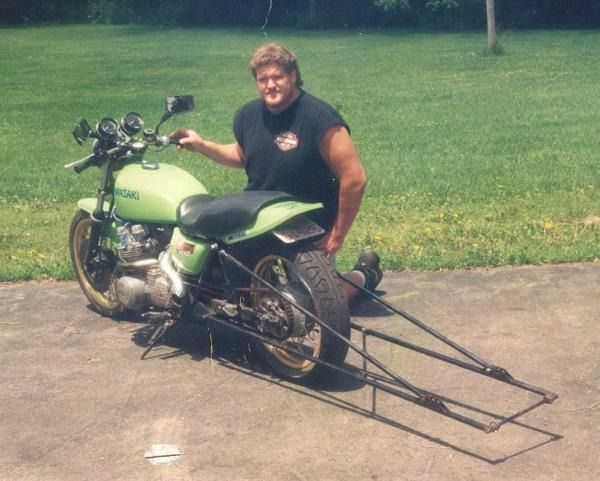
<point x="290" y="141"/>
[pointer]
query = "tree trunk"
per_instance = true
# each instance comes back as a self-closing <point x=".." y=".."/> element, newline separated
<point x="491" y="24"/>
<point x="312" y="12"/>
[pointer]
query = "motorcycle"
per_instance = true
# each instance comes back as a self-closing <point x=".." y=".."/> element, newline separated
<point x="155" y="243"/>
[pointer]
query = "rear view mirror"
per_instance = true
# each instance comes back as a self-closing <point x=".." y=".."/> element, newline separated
<point x="82" y="131"/>
<point x="179" y="104"/>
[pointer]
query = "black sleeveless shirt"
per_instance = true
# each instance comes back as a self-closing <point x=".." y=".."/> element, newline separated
<point x="282" y="151"/>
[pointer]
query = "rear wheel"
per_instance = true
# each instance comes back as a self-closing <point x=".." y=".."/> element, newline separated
<point x="306" y="278"/>
<point x="97" y="284"/>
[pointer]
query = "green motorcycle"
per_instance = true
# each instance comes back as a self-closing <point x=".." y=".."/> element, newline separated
<point x="154" y="242"/>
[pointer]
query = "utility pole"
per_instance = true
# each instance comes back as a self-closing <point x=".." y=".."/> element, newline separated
<point x="491" y="24"/>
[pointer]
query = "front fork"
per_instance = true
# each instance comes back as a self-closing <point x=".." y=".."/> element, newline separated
<point x="99" y="219"/>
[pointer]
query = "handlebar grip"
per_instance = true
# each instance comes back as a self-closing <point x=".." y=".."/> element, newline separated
<point x="88" y="162"/>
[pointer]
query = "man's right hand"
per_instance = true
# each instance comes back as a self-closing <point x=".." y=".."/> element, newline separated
<point x="230" y="155"/>
<point x="187" y="139"/>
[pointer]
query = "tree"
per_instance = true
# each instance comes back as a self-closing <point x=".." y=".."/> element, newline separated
<point x="392" y="4"/>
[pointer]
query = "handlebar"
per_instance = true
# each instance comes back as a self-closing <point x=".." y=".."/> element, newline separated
<point x="80" y="165"/>
<point x="123" y="135"/>
<point x="80" y="168"/>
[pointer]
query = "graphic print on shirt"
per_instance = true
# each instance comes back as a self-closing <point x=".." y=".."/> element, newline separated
<point x="286" y="141"/>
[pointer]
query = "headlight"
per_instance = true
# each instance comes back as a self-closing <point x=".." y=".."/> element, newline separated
<point x="132" y="123"/>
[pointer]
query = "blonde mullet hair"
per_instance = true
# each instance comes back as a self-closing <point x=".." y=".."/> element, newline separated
<point x="276" y="53"/>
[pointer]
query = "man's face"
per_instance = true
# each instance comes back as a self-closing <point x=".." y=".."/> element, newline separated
<point x="277" y="87"/>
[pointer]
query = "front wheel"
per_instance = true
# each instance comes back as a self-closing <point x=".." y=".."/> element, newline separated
<point x="305" y="277"/>
<point x="96" y="283"/>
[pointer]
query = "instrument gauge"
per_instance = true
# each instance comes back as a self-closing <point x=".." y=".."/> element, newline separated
<point x="132" y="123"/>
<point x="107" y="128"/>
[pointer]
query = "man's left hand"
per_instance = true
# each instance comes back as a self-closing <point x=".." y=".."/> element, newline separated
<point x="330" y="243"/>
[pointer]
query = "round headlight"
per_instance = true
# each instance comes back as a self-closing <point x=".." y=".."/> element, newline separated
<point x="107" y="128"/>
<point x="132" y="123"/>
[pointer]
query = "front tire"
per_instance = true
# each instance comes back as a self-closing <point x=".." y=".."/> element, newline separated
<point x="306" y="277"/>
<point x="98" y="285"/>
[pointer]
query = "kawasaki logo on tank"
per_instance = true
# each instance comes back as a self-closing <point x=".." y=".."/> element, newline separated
<point x="127" y="194"/>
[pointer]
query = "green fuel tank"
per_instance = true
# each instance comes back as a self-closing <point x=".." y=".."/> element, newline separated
<point x="151" y="191"/>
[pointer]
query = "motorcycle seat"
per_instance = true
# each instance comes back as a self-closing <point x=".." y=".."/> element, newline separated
<point x="208" y="217"/>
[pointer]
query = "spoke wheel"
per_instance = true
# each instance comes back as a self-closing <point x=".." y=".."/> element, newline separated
<point x="307" y="279"/>
<point x="97" y="285"/>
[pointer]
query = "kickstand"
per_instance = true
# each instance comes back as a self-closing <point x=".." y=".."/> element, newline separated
<point x="157" y="335"/>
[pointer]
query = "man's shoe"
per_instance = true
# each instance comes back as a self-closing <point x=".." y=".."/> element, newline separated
<point x="368" y="265"/>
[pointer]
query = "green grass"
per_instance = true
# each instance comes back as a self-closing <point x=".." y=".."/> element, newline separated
<point x="473" y="159"/>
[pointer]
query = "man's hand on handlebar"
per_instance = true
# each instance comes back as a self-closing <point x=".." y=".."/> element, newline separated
<point x="187" y="139"/>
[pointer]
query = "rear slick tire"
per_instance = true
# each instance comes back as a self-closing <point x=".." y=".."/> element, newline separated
<point x="307" y="278"/>
<point x="98" y="286"/>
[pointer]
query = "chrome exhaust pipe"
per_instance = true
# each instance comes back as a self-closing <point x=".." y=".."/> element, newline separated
<point x="166" y="266"/>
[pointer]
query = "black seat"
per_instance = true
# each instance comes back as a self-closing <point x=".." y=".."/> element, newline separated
<point x="204" y="216"/>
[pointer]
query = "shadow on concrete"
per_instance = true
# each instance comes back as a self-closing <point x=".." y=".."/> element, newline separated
<point x="364" y="306"/>
<point x="236" y="352"/>
<point x="326" y="396"/>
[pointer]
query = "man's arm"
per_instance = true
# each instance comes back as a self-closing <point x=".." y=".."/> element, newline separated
<point x="230" y="155"/>
<point x="338" y="151"/>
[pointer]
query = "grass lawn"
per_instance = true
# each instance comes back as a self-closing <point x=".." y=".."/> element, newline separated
<point x="473" y="159"/>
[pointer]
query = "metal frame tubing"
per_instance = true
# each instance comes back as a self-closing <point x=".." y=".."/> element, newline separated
<point x="392" y="383"/>
<point x="485" y="369"/>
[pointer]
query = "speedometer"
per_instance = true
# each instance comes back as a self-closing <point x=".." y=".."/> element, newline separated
<point x="132" y="123"/>
<point x="107" y="128"/>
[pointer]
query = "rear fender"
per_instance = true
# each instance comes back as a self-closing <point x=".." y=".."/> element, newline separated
<point x="269" y="218"/>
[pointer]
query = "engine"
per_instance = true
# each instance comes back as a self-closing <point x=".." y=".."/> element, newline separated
<point x="143" y="282"/>
<point x="137" y="243"/>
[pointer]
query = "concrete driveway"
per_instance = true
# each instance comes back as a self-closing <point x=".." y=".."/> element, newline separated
<point x="77" y="403"/>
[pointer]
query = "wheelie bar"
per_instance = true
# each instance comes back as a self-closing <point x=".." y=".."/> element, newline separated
<point x="481" y="366"/>
<point x="427" y="401"/>
<point x="392" y="384"/>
